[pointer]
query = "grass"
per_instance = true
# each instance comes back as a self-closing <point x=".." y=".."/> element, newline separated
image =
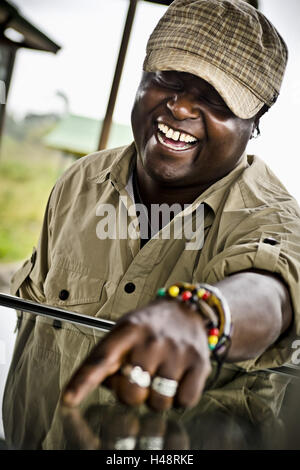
<point x="28" y="171"/>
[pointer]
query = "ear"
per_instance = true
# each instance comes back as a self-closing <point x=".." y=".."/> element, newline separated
<point x="256" y="123"/>
<point x="256" y="119"/>
<point x="255" y="132"/>
<point x="260" y="113"/>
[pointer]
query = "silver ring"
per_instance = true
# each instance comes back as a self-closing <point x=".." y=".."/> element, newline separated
<point x="151" y="443"/>
<point x="166" y="387"/>
<point x="125" y="443"/>
<point x="136" y="375"/>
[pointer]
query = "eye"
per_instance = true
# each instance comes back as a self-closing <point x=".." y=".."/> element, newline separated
<point x="168" y="81"/>
<point x="216" y="103"/>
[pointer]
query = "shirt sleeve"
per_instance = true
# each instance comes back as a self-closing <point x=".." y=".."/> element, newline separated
<point x="268" y="240"/>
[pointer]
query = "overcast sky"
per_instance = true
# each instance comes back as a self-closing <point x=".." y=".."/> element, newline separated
<point x="89" y="32"/>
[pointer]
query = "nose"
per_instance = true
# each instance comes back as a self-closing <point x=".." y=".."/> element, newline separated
<point x="183" y="106"/>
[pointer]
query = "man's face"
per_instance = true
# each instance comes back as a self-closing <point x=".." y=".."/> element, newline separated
<point x="184" y="132"/>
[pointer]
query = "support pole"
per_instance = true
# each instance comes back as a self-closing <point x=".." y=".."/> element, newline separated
<point x="7" y="80"/>
<point x="117" y="77"/>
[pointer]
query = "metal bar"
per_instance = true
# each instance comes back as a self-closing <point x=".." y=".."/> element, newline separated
<point x="117" y="77"/>
<point x="11" y="301"/>
<point x="9" y="72"/>
<point x="287" y="370"/>
<point x="15" y="20"/>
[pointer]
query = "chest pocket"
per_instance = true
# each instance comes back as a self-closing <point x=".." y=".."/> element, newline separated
<point x="69" y="283"/>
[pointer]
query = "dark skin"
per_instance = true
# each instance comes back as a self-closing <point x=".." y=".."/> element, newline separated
<point x="191" y="105"/>
<point x="167" y="338"/>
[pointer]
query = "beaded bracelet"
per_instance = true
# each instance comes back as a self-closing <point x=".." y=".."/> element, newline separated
<point x="220" y="325"/>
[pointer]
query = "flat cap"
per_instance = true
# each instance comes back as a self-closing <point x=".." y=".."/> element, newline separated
<point x="228" y="43"/>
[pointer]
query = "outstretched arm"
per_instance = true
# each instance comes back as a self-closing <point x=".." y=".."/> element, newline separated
<point x="168" y="339"/>
<point x="261" y="311"/>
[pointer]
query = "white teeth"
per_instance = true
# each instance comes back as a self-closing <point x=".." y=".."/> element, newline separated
<point x="174" y="146"/>
<point x="176" y="135"/>
<point x="169" y="134"/>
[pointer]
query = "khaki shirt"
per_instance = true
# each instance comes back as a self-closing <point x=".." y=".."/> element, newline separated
<point x="242" y="211"/>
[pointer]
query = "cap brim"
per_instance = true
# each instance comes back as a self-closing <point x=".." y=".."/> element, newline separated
<point x="240" y="100"/>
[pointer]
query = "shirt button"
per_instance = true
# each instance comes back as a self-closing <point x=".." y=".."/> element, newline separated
<point x="56" y="323"/>
<point x="129" y="287"/>
<point x="270" y="241"/>
<point x="64" y="294"/>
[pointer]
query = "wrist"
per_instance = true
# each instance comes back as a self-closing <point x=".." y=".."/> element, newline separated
<point x="211" y="305"/>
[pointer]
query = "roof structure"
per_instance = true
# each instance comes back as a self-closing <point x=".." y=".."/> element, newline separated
<point x="79" y="135"/>
<point x="29" y="36"/>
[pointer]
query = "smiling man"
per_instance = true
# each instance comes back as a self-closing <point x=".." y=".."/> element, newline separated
<point x="186" y="135"/>
<point x="213" y="68"/>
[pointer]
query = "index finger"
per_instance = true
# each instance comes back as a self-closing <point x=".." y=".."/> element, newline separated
<point x="105" y="360"/>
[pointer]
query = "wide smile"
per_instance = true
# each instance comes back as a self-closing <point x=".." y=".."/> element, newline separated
<point x="174" y="139"/>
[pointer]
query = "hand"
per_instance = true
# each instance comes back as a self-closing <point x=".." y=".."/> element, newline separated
<point x="166" y="339"/>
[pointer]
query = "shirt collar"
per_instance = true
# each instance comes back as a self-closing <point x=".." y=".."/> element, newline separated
<point x="215" y="193"/>
<point x="121" y="168"/>
<point x="120" y="171"/>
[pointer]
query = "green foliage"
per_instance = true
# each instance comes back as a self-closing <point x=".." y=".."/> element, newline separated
<point x="28" y="171"/>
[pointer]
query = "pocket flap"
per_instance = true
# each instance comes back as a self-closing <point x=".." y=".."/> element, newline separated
<point x="71" y="284"/>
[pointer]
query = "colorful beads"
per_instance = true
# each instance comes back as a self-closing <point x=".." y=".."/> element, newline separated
<point x="212" y="341"/>
<point x="206" y="296"/>
<point x="200" y="293"/>
<point x="214" y="332"/>
<point x="186" y="295"/>
<point x="191" y="294"/>
<point x="173" y="291"/>
<point x="203" y="294"/>
<point x="161" y="292"/>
